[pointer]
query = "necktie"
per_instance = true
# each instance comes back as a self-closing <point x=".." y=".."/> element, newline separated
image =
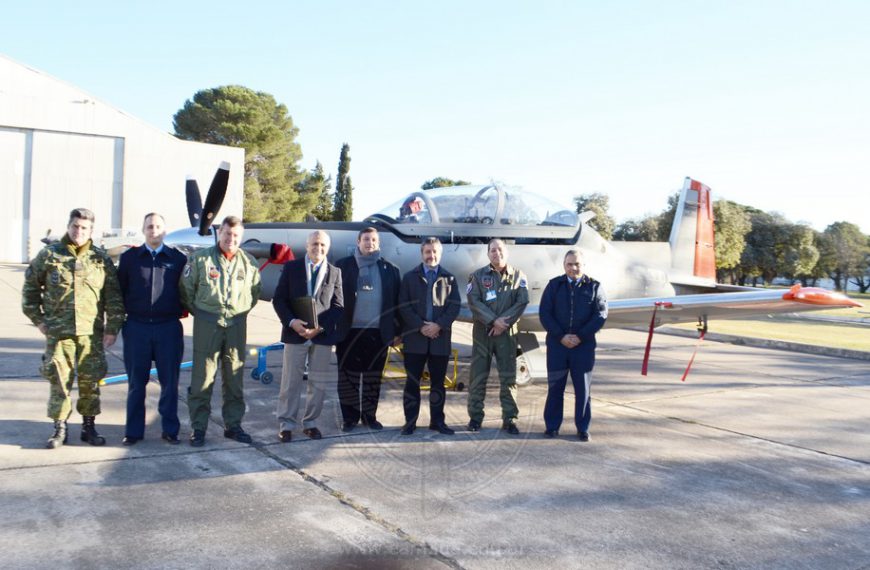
<point x="430" y="280"/>
<point x="314" y="271"/>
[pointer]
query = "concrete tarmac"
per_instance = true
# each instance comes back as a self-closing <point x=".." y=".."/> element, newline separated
<point x="761" y="459"/>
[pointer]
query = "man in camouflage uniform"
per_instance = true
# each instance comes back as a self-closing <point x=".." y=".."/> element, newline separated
<point x="220" y="285"/>
<point x="497" y="296"/>
<point x="71" y="294"/>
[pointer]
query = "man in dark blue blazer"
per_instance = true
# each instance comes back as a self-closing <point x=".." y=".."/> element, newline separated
<point x="369" y="325"/>
<point x="149" y="276"/>
<point x="428" y="304"/>
<point x="313" y="277"/>
<point x="573" y="308"/>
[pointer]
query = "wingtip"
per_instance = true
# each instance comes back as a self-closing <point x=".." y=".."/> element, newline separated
<point x="819" y="296"/>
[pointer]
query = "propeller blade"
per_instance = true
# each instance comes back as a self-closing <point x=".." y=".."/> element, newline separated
<point x="194" y="202"/>
<point x="216" y="193"/>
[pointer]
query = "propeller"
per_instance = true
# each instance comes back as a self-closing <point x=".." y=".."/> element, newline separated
<point x="194" y="202"/>
<point x="216" y="193"/>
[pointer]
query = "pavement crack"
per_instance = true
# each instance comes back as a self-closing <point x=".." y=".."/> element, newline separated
<point x="366" y="512"/>
<point x="747" y="435"/>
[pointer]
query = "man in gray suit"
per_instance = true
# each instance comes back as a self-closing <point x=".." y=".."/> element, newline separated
<point x="428" y="304"/>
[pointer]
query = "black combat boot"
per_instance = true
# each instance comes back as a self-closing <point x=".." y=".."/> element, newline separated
<point x="89" y="432"/>
<point x="60" y="437"/>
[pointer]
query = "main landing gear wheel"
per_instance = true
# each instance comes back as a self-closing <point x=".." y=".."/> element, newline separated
<point x="266" y="377"/>
<point x="524" y="374"/>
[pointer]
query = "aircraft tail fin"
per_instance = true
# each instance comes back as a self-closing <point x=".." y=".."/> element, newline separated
<point x="691" y="241"/>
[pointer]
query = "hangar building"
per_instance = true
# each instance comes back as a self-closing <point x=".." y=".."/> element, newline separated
<point x="61" y="148"/>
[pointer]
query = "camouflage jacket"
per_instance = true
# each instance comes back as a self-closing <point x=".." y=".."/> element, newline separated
<point x="217" y="289"/>
<point x="73" y="294"/>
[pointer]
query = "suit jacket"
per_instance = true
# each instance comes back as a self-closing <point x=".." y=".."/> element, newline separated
<point x="328" y="300"/>
<point x="412" y="308"/>
<point x="389" y="324"/>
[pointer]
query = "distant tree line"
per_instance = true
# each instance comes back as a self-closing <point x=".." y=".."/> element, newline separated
<point x="754" y="247"/>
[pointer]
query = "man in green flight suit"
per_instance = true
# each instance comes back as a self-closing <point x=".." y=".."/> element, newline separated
<point x="497" y="296"/>
<point x="220" y="285"/>
<point x="71" y="294"/>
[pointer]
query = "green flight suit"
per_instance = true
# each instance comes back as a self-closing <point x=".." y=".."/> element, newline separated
<point x="74" y="292"/>
<point x="219" y="293"/>
<point x="492" y="295"/>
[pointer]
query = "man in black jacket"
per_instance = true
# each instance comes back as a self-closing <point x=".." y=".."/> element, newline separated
<point x="428" y="303"/>
<point x="313" y="277"/>
<point x="368" y="326"/>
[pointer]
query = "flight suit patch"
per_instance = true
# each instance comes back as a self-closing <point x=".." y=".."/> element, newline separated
<point x="213" y="272"/>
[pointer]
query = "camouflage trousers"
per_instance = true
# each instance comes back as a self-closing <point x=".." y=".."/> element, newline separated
<point x="483" y="347"/>
<point x="66" y="359"/>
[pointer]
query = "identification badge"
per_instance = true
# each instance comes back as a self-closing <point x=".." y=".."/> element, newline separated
<point x="490" y="295"/>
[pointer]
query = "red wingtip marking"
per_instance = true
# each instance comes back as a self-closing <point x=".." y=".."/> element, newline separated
<point x="819" y="296"/>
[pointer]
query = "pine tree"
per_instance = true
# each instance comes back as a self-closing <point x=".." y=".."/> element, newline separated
<point x="343" y="210"/>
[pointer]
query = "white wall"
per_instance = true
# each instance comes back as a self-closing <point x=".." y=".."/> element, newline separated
<point x="13" y="146"/>
<point x="60" y="148"/>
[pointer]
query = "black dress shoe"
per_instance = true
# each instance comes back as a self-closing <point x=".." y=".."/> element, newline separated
<point x="285" y="436"/>
<point x="197" y="438"/>
<point x="348" y="426"/>
<point x="408" y="429"/>
<point x="583" y="436"/>
<point x="551" y="433"/>
<point x="170" y="439"/>
<point x="130" y="440"/>
<point x="238" y="434"/>
<point x="441" y="428"/>
<point x="374" y="424"/>
<point x="511" y="428"/>
<point x="473" y="425"/>
<point x="313" y="433"/>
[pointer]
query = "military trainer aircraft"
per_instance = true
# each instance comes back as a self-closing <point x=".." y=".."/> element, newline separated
<point x="647" y="283"/>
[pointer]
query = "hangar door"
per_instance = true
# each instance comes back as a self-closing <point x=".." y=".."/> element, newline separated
<point x="69" y="171"/>
<point x="13" y="167"/>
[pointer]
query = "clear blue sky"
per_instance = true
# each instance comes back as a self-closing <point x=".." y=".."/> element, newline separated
<point x="767" y="102"/>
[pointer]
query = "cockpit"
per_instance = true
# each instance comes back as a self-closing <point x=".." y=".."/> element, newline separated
<point x="474" y="214"/>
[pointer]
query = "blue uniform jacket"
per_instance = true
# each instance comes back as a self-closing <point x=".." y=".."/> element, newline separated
<point x="580" y="310"/>
<point x="150" y="286"/>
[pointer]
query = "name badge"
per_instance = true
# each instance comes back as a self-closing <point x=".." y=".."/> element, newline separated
<point x="490" y="295"/>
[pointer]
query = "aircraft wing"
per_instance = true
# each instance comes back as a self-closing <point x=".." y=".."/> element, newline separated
<point x="732" y="305"/>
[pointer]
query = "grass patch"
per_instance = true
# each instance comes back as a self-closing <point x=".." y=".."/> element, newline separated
<point x="792" y="329"/>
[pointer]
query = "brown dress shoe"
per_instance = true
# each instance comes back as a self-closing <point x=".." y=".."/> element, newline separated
<point x="285" y="436"/>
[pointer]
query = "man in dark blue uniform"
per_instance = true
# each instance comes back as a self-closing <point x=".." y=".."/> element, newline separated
<point x="573" y="308"/>
<point x="149" y="276"/>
